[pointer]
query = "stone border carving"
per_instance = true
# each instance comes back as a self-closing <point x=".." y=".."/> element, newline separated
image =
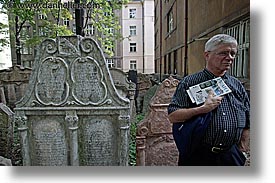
<point x="52" y="66"/>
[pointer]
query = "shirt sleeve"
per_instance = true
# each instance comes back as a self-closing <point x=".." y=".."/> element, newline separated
<point x="247" y="107"/>
<point x="180" y="98"/>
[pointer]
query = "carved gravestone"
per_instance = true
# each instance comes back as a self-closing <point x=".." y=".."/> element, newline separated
<point x="125" y="88"/>
<point x="6" y="131"/>
<point x="143" y="85"/>
<point x="154" y="140"/>
<point x="5" y="161"/>
<point x="13" y="83"/>
<point x="72" y="113"/>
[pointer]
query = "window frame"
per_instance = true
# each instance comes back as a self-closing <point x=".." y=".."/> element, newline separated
<point x="133" y="47"/>
<point x="132" y="13"/>
<point x="133" y="30"/>
<point x="240" y="31"/>
<point x="133" y="65"/>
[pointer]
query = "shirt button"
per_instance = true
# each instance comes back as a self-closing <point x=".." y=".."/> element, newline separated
<point x="224" y="131"/>
<point x="223" y="113"/>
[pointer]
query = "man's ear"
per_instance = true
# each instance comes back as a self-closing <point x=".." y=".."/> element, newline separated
<point x="206" y="55"/>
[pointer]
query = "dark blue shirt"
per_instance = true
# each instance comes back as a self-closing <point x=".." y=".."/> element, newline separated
<point x="228" y="119"/>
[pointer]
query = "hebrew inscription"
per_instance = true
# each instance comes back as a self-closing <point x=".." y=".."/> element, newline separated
<point x="52" y="87"/>
<point x="99" y="143"/>
<point x="49" y="144"/>
<point x="88" y="84"/>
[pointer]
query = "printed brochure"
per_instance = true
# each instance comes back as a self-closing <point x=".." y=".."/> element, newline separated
<point x="198" y="93"/>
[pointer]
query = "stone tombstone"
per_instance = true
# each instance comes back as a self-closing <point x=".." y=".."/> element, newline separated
<point x="125" y="88"/>
<point x="143" y="85"/>
<point x="5" y="161"/>
<point x="72" y="113"/>
<point x="154" y="141"/>
<point x="13" y="83"/>
<point x="6" y="131"/>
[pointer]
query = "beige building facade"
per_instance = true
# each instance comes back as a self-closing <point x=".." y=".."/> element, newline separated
<point x="138" y="33"/>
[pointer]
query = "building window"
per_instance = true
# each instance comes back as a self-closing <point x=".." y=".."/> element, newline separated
<point x="90" y="30"/>
<point x="25" y="49"/>
<point x="42" y="16"/>
<point x="25" y="32"/>
<point x="66" y="22"/>
<point x="42" y="31"/>
<point x="111" y="31"/>
<point x="74" y="29"/>
<point x="133" y="47"/>
<point x="170" y="22"/>
<point x="25" y="35"/>
<point x="110" y="63"/>
<point x="133" y="65"/>
<point x="133" y="30"/>
<point x="132" y="13"/>
<point x="240" y="31"/>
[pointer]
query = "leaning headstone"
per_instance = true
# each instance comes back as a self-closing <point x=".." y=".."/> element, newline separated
<point x="143" y="85"/>
<point x="154" y="141"/>
<point x="147" y="98"/>
<point x="6" y="131"/>
<point x="125" y="88"/>
<point x="5" y="161"/>
<point x="72" y="113"/>
<point x="13" y="83"/>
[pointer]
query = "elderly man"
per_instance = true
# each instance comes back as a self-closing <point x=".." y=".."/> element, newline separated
<point x="226" y="135"/>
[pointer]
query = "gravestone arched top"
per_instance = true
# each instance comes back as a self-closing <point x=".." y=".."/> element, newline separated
<point x="71" y="71"/>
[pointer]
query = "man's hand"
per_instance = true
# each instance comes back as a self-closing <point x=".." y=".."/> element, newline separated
<point x="244" y="142"/>
<point x="211" y="102"/>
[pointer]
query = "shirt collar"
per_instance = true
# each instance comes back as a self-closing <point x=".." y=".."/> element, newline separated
<point x="210" y="75"/>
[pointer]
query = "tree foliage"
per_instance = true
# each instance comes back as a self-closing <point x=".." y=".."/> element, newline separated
<point x="4" y="29"/>
<point x="3" y="39"/>
<point x="103" y="17"/>
<point x="101" y="13"/>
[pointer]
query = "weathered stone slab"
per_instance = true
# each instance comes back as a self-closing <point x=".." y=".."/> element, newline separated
<point x="13" y="83"/>
<point x="72" y="114"/>
<point x="6" y="131"/>
<point x="155" y="143"/>
<point x="143" y="84"/>
<point x="5" y="161"/>
<point x="125" y="88"/>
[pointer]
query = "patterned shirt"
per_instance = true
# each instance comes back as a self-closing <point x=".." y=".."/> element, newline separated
<point x="228" y="119"/>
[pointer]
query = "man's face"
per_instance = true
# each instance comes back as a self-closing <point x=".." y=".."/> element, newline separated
<point x="221" y="59"/>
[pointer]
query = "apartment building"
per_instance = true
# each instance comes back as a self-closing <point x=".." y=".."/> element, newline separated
<point x="138" y="32"/>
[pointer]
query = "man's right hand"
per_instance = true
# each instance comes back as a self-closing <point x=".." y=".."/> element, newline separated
<point x="211" y="102"/>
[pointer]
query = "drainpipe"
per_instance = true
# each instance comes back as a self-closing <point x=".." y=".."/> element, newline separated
<point x="79" y="18"/>
<point x="186" y="39"/>
<point x="160" y="39"/>
<point x="143" y="49"/>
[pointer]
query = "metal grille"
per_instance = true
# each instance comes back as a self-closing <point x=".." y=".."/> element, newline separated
<point x="240" y="31"/>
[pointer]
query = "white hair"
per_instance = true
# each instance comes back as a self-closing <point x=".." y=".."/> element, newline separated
<point x="217" y="40"/>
